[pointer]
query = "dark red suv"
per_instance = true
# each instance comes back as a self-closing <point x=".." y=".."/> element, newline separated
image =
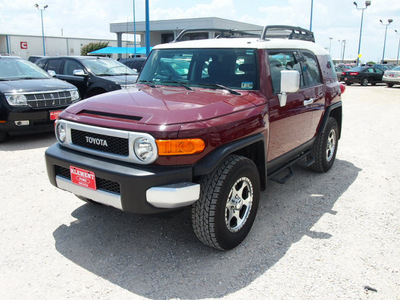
<point x="205" y="126"/>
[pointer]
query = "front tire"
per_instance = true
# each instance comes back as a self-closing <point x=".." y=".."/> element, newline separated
<point x="225" y="212"/>
<point x="3" y="136"/>
<point x="325" y="147"/>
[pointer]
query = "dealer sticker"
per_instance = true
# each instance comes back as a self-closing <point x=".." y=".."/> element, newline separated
<point x="83" y="178"/>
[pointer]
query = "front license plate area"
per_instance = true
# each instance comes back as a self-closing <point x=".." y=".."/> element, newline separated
<point x="83" y="178"/>
<point x="54" y="114"/>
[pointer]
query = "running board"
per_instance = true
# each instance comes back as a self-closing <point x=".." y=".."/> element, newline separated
<point x="275" y="176"/>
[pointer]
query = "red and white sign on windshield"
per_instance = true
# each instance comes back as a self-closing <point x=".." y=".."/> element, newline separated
<point x="24" y="45"/>
<point x="83" y="177"/>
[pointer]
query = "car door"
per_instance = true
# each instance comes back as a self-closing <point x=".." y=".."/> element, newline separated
<point x="67" y="74"/>
<point x="290" y="126"/>
<point x="378" y="74"/>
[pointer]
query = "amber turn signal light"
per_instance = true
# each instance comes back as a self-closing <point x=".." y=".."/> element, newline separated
<point x="180" y="147"/>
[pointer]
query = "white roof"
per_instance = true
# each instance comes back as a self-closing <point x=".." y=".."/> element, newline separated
<point x="250" y="43"/>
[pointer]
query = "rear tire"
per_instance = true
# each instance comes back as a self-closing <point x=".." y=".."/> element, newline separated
<point x="364" y="81"/>
<point x="390" y="84"/>
<point x="325" y="147"/>
<point x="225" y="212"/>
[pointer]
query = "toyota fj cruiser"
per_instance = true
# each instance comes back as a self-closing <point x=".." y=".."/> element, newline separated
<point x="208" y="122"/>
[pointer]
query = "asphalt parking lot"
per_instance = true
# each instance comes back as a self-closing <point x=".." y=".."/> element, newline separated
<point x="319" y="236"/>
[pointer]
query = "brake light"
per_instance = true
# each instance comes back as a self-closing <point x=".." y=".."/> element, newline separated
<point x="353" y="73"/>
<point x="180" y="147"/>
<point x="343" y="73"/>
<point x="342" y="88"/>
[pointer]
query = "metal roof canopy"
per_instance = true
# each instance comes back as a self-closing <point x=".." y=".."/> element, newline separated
<point x="182" y="24"/>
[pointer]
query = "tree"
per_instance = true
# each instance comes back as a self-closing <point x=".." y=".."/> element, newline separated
<point x="93" y="47"/>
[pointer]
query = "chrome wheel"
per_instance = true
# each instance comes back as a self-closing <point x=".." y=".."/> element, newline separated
<point x="238" y="205"/>
<point x="331" y="145"/>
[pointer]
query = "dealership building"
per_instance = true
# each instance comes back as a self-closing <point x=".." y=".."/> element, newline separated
<point x="162" y="31"/>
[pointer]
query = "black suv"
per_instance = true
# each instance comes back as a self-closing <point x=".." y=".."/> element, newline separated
<point x="30" y="99"/>
<point x="91" y="75"/>
<point x="136" y="63"/>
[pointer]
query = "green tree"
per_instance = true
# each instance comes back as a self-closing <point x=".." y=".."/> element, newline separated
<point x="93" y="47"/>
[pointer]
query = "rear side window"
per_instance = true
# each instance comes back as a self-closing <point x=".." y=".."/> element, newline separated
<point x="311" y="72"/>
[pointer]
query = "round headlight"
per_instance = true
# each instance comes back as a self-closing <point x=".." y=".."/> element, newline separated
<point x="144" y="149"/>
<point x="74" y="95"/>
<point x="61" y="132"/>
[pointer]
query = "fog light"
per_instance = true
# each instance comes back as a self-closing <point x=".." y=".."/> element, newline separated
<point x="22" y="123"/>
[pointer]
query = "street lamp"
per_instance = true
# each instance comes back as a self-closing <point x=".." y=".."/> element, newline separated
<point x="342" y="48"/>
<point x="398" y="49"/>
<point x="384" y="41"/>
<point x="367" y="3"/>
<point x="41" y="15"/>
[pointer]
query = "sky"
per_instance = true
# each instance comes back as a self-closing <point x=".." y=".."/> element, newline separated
<point x="333" y="20"/>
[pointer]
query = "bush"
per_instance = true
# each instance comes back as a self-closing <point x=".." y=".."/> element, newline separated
<point x="93" y="47"/>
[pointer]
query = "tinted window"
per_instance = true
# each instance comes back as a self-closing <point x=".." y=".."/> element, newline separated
<point x="13" y="69"/>
<point x="54" y="65"/>
<point x="379" y="71"/>
<point x="70" y="66"/>
<point x="311" y="70"/>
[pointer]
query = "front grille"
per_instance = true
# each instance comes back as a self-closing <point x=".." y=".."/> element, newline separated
<point x="49" y="99"/>
<point x="101" y="183"/>
<point x="100" y="142"/>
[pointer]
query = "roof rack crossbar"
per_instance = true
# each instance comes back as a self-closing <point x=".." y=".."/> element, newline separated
<point x="289" y="32"/>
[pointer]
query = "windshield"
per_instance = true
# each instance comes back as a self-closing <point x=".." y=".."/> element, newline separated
<point x="396" y="69"/>
<point x="17" y="69"/>
<point x="213" y="68"/>
<point x="107" y="67"/>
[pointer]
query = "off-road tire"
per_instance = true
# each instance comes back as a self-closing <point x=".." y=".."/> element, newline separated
<point x="213" y="211"/>
<point x="325" y="147"/>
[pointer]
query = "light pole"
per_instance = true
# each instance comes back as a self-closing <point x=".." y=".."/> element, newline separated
<point x="384" y="41"/>
<point x="398" y="49"/>
<point x="342" y="48"/>
<point x="41" y="15"/>
<point x="330" y="44"/>
<point x="311" y="15"/>
<point x="367" y="3"/>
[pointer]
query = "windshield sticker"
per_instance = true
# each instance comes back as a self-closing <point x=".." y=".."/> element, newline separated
<point x="247" y="85"/>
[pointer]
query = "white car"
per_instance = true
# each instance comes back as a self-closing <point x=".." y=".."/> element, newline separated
<point x="392" y="77"/>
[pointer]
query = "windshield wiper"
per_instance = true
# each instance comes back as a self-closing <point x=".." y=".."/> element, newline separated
<point x="180" y="83"/>
<point x="220" y="86"/>
<point x="147" y="82"/>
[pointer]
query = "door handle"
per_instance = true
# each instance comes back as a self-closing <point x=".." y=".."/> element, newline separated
<point x="308" y="102"/>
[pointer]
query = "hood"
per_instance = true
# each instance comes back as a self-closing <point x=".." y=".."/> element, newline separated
<point x="121" y="79"/>
<point x="34" y="85"/>
<point x="165" y="105"/>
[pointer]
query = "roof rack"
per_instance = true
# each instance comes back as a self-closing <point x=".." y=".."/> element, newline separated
<point x="223" y="33"/>
<point x="289" y="32"/>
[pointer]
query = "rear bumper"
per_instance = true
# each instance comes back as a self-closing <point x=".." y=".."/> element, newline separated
<point x="137" y="189"/>
<point x="394" y="80"/>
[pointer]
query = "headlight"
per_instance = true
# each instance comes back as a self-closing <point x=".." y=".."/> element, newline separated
<point x="61" y="132"/>
<point x="16" y="99"/>
<point x="74" y="95"/>
<point x="144" y="149"/>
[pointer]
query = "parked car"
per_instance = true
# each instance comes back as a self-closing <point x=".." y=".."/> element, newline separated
<point x="384" y="67"/>
<point x="135" y="63"/>
<point x="339" y="72"/>
<point x="392" y="77"/>
<point x="30" y="99"/>
<point x="91" y="75"/>
<point x="363" y="75"/>
<point x="205" y="126"/>
<point x="34" y="58"/>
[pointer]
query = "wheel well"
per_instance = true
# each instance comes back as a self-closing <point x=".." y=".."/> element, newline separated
<point x="256" y="152"/>
<point x="337" y="115"/>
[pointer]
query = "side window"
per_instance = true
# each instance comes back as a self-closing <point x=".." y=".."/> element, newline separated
<point x="70" y="66"/>
<point x="311" y="70"/>
<point x="379" y="71"/>
<point x="41" y="63"/>
<point x="370" y="70"/>
<point x="54" y="65"/>
<point x="282" y="60"/>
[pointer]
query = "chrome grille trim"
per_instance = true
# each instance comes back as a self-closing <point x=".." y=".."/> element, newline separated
<point x="45" y="99"/>
<point x="130" y="136"/>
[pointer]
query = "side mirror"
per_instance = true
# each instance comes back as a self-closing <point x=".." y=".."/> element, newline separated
<point x="79" y="72"/>
<point x="52" y="73"/>
<point x="290" y="83"/>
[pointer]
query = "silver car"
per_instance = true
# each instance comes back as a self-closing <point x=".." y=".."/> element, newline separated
<point x="392" y="77"/>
